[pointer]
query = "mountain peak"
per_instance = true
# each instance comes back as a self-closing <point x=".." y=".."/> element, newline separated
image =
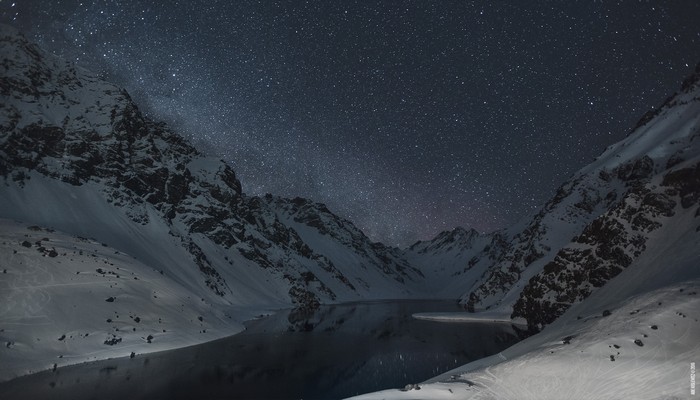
<point x="692" y="81"/>
<point x="456" y="237"/>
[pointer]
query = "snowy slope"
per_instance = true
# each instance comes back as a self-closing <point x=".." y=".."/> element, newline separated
<point x="68" y="299"/>
<point x="78" y="157"/>
<point x="609" y="214"/>
<point x="344" y="247"/>
<point x="642" y="350"/>
<point x="657" y="208"/>
<point x="633" y="338"/>
<point x="452" y="259"/>
<point x="532" y="243"/>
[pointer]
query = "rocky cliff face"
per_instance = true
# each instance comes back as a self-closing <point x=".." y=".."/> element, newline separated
<point x="526" y="247"/>
<point x="70" y="129"/>
<point x="635" y="198"/>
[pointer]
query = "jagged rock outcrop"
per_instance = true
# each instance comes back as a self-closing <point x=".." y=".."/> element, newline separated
<point x="446" y="241"/>
<point x="527" y="247"/>
<point x="71" y="129"/>
<point x="641" y="193"/>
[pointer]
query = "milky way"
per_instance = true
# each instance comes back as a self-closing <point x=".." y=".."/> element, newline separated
<point x="408" y="118"/>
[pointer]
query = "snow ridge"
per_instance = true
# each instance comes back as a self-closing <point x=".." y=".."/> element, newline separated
<point x="78" y="158"/>
<point x="602" y="219"/>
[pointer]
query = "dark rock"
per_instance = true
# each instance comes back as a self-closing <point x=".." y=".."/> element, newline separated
<point x="410" y="386"/>
<point x="636" y="169"/>
<point x="691" y="80"/>
<point x="660" y="203"/>
<point x="113" y="340"/>
<point x="674" y="160"/>
<point x="110" y="300"/>
<point x="638" y="342"/>
<point x="687" y="181"/>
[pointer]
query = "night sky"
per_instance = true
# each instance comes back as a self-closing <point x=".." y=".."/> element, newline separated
<point x="408" y="118"/>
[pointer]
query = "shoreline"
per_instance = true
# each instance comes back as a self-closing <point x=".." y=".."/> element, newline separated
<point x="464" y="317"/>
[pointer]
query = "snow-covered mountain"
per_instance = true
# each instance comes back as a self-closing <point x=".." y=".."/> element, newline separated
<point x="73" y="143"/>
<point x="655" y="172"/>
<point x="78" y="158"/>
<point x="608" y="272"/>
<point x="68" y="299"/>
<point x="453" y="258"/>
<point x="636" y="201"/>
<point x="633" y="202"/>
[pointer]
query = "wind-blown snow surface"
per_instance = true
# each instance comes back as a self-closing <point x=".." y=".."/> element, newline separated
<point x="641" y="350"/>
<point x="68" y="299"/>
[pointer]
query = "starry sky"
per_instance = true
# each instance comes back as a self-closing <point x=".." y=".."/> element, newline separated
<point x="406" y="117"/>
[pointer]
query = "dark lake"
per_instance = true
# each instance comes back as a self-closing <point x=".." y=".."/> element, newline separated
<point x="333" y="352"/>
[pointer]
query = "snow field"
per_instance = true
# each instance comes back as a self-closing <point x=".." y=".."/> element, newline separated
<point x="62" y="298"/>
<point x="652" y="339"/>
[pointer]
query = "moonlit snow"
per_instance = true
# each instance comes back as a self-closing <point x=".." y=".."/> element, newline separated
<point x="118" y="238"/>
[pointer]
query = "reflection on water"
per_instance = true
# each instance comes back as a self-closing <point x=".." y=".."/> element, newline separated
<point x="333" y="352"/>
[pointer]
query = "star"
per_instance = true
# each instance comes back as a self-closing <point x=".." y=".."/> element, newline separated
<point x="406" y="120"/>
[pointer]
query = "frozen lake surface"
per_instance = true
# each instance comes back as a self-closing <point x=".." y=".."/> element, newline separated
<point x="333" y="352"/>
